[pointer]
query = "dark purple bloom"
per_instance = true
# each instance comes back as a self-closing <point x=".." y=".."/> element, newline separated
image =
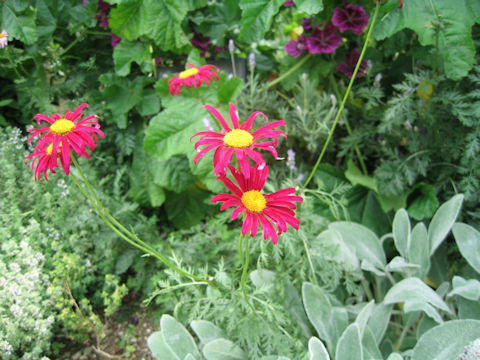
<point x="115" y="40"/>
<point x="348" y="66"/>
<point x="158" y="61"/>
<point x="201" y="42"/>
<point x="296" y="47"/>
<point x="307" y="25"/>
<point x="288" y="3"/>
<point x="351" y="17"/>
<point x="102" y="13"/>
<point x="324" y="41"/>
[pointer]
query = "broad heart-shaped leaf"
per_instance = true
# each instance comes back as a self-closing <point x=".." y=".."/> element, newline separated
<point x="454" y="37"/>
<point x="349" y="346"/>
<point x="173" y="174"/>
<point x="21" y="27"/>
<point x="468" y="242"/>
<point x="422" y="201"/>
<point x="443" y="221"/>
<point x="223" y="349"/>
<point x="316" y="350"/>
<point x="169" y="132"/>
<point x="419" y="250"/>
<point x="177" y="338"/>
<point x="127" y="52"/>
<point x="401" y="231"/>
<point x="205" y="330"/>
<point x="362" y="241"/>
<point x="446" y="341"/>
<point x="414" y="290"/>
<point x="309" y="7"/>
<point x="469" y="289"/>
<point x="257" y="17"/>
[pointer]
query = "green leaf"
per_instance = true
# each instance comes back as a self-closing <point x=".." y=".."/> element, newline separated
<point x="469" y="289"/>
<point x="257" y="17"/>
<point x="395" y="356"/>
<point x="414" y="306"/>
<point x="316" y="350"/>
<point x="356" y="177"/>
<point x="370" y="346"/>
<point x="159" y="348"/>
<point x="173" y="174"/>
<point x="21" y="27"/>
<point x="349" y="346"/>
<point x="443" y="221"/>
<point x="401" y="231"/>
<point x="446" y="341"/>
<point x="205" y="330"/>
<point x="362" y="241"/>
<point x="177" y="338"/>
<point x="46" y="22"/>
<point x="187" y="209"/>
<point x="422" y="201"/>
<point x="296" y="309"/>
<point x="127" y="52"/>
<point x="468" y="242"/>
<point x="419" y="250"/>
<point x="229" y="90"/>
<point x="414" y="290"/>
<point x="340" y="252"/>
<point x="309" y="7"/>
<point x="223" y="349"/>
<point x="379" y="320"/>
<point x="437" y="23"/>
<point x="149" y="104"/>
<point x="169" y="132"/>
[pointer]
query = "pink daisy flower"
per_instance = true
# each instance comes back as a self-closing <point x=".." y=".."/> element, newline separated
<point x="3" y="39"/>
<point x="272" y="211"/>
<point x="46" y="160"/>
<point x="194" y="76"/>
<point x="240" y="141"/>
<point x="69" y="132"/>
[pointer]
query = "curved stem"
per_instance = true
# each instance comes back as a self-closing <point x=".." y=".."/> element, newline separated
<point x="244" y="274"/>
<point x="240" y="250"/>
<point x="344" y="100"/>
<point x="288" y="73"/>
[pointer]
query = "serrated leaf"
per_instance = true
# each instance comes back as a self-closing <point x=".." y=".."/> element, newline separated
<point x="316" y="350"/>
<point x="443" y="221"/>
<point x="21" y="27"/>
<point x="257" y="17"/>
<point x="149" y="104"/>
<point x="468" y="242"/>
<point x="349" y="346"/>
<point x="446" y="341"/>
<point x="223" y="349"/>
<point x="177" y="338"/>
<point x="206" y="331"/>
<point x="173" y="174"/>
<point x="401" y="231"/>
<point x="309" y="7"/>
<point x="229" y="90"/>
<point x="127" y="52"/>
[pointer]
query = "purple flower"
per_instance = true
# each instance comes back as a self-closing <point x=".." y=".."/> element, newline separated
<point x="102" y="14"/>
<point x="348" y="66"/>
<point x="324" y="41"/>
<point x="115" y="40"/>
<point x="307" y="25"/>
<point x="288" y="3"/>
<point x="296" y="47"/>
<point x="201" y="42"/>
<point x="351" y="17"/>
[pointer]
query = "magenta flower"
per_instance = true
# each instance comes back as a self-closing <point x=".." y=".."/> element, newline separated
<point x="324" y="41"/>
<point x="296" y="47"/>
<point x="348" y="66"/>
<point x="201" y="42"/>
<point x="288" y="3"/>
<point x="307" y="25"/>
<point x="351" y="17"/>
<point x="115" y="40"/>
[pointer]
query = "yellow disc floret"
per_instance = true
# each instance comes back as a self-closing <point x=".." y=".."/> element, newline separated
<point x="62" y="126"/>
<point x="254" y="201"/>
<point x="50" y="148"/>
<point x="2" y="35"/>
<point x="187" y="73"/>
<point x="238" y="138"/>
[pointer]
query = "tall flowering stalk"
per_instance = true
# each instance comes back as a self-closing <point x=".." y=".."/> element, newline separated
<point x="74" y="132"/>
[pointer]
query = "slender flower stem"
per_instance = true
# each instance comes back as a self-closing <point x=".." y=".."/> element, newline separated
<point x="244" y="274"/>
<point x="288" y="73"/>
<point x="119" y="229"/>
<point x="240" y="250"/>
<point x="345" y="96"/>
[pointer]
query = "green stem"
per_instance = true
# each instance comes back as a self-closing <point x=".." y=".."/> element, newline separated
<point x="309" y="260"/>
<point x="244" y="274"/>
<point x="288" y="73"/>
<point x="10" y="60"/>
<point x="240" y="250"/>
<point x="115" y="225"/>
<point x="69" y="47"/>
<point x="344" y="100"/>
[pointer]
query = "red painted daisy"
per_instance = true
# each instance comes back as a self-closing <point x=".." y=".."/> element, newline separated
<point x="194" y="76"/>
<point x="45" y="160"/>
<point x="71" y="131"/>
<point x="272" y="211"/>
<point x="239" y="141"/>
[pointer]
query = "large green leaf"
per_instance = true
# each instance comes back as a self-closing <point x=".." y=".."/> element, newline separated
<point x="454" y="25"/>
<point x="223" y="349"/>
<point x="21" y="27"/>
<point x="188" y="208"/>
<point x="177" y="338"/>
<point x="173" y="174"/>
<point x="401" y="231"/>
<point x="468" y="241"/>
<point x="469" y="289"/>
<point x="349" y="346"/>
<point x="446" y="341"/>
<point x="316" y="350"/>
<point x="127" y="52"/>
<point x="257" y="17"/>
<point x="169" y="132"/>
<point x="419" y="250"/>
<point x="205" y="330"/>
<point x="309" y="7"/>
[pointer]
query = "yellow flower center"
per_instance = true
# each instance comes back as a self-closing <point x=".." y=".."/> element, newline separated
<point x="187" y="73"/>
<point x="62" y="126"/>
<point x="296" y="32"/>
<point x="238" y="138"/>
<point x="254" y="201"/>
<point x="2" y="35"/>
<point x="50" y="148"/>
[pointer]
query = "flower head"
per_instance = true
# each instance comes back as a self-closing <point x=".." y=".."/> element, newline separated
<point x="201" y="42"/>
<point x="325" y="40"/>
<point x="348" y="66"/>
<point x="296" y="47"/>
<point x="240" y="141"/>
<point x="289" y="3"/>
<point x="3" y="39"/>
<point x="45" y="159"/>
<point x="115" y="40"/>
<point x="194" y="76"/>
<point x="351" y="17"/>
<point x="65" y="133"/>
<point x="272" y="211"/>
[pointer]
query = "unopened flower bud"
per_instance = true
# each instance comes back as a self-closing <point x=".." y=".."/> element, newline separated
<point x="251" y="61"/>
<point x="231" y="46"/>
